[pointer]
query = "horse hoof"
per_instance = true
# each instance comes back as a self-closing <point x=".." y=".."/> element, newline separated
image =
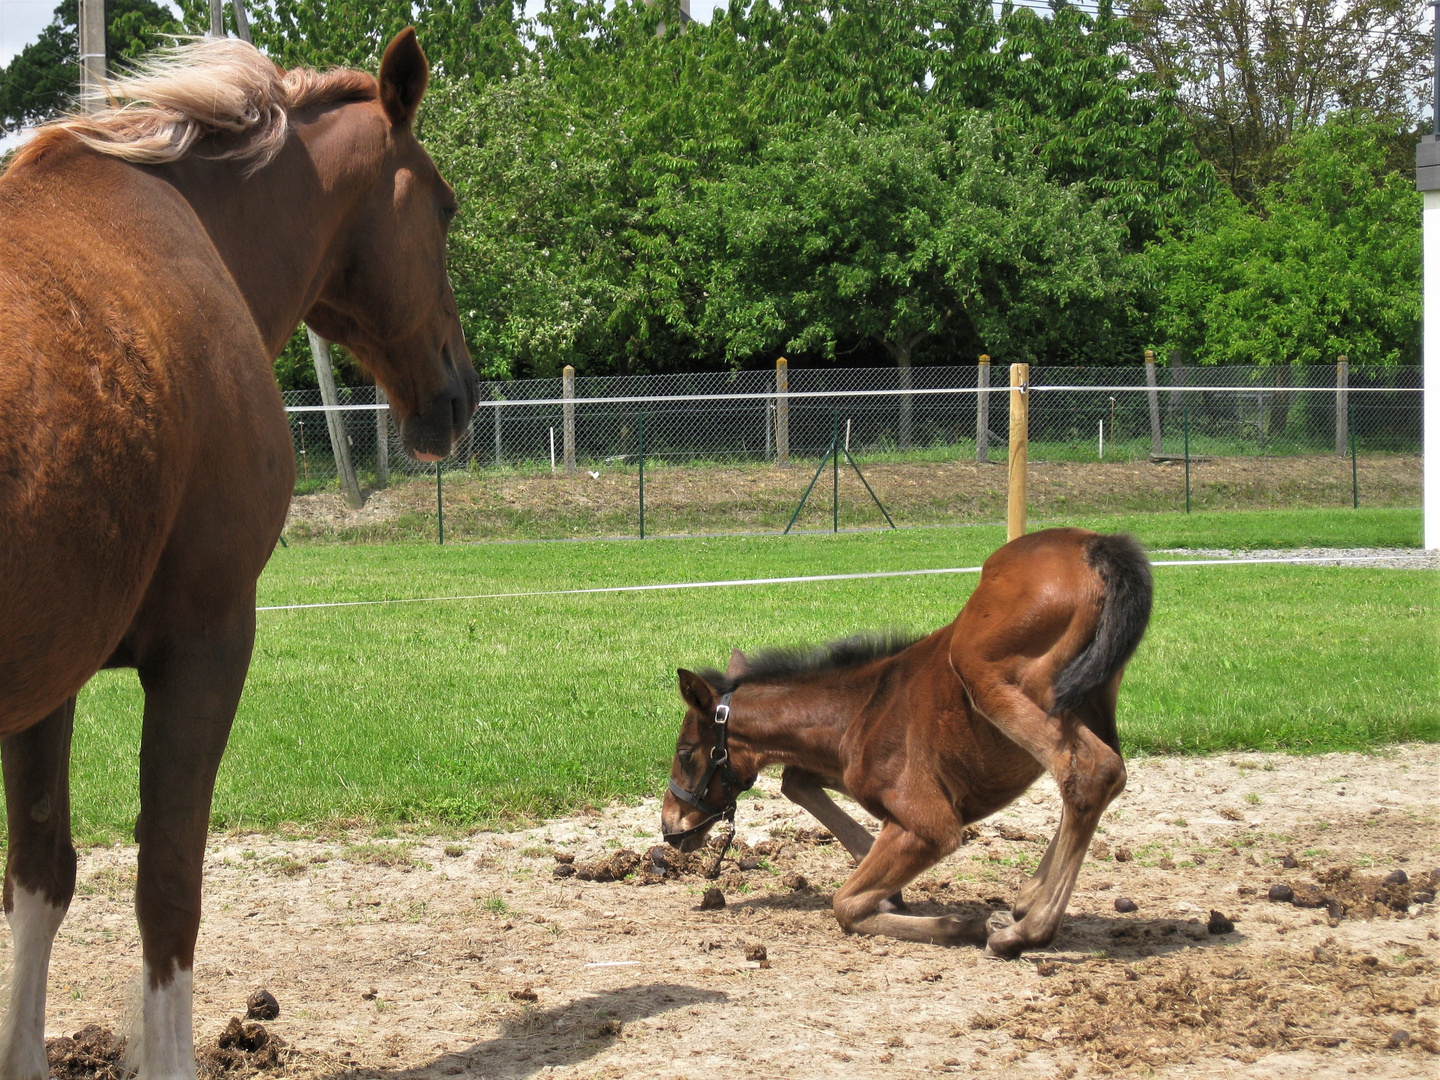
<point x="1005" y="944"/>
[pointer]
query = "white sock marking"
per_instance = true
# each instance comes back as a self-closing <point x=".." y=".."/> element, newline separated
<point x="166" y="1047"/>
<point x="33" y="924"/>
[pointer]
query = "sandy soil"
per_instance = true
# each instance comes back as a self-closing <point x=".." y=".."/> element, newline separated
<point x="419" y="957"/>
<point x="750" y="498"/>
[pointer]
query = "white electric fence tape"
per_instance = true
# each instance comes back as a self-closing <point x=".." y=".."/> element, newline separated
<point x="738" y="582"/>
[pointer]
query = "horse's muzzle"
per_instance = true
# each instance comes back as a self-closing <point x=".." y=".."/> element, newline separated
<point x="431" y="433"/>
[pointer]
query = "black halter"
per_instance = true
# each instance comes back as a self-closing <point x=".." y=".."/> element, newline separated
<point x="729" y="778"/>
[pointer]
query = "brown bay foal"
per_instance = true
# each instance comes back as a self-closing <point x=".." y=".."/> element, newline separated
<point x="931" y="735"/>
<point x="154" y="260"/>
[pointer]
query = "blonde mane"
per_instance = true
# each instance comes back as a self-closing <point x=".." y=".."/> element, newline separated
<point x="177" y="96"/>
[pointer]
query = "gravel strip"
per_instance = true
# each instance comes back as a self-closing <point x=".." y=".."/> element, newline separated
<point x="1390" y="558"/>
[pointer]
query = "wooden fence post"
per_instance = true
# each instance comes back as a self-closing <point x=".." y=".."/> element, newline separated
<point x="569" y="408"/>
<point x="782" y="411"/>
<point x="1019" y="448"/>
<point x="1154" y="395"/>
<point x="982" y="411"/>
<point x="1342" y="403"/>
<point x="339" y="441"/>
<point x="382" y="439"/>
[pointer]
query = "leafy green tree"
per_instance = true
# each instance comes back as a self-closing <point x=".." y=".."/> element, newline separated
<point x="1064" y="91"/>
<point x="463" y="39"/>
<point x="1326" y="261"/>
<point x="902" y="236"/>
<point x="1251" y="74"/>
<point x="43" y="80"/>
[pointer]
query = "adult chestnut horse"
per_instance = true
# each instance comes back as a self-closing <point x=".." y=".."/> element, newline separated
<point x="931" y="735"/>
<point x="154" y="259"/>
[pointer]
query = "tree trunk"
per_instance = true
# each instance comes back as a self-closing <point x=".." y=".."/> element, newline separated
<point x="1280" y="401"/>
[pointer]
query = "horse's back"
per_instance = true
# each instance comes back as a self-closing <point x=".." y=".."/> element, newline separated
<point x="119" y="319"/>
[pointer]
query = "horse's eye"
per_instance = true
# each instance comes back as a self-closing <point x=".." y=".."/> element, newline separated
<point x="448" y="212"/>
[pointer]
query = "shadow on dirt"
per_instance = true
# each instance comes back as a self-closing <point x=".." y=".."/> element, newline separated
<point x="563" y="1036"/>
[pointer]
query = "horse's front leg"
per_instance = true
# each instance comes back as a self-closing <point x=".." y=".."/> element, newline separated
<point x="805" y="790"/>
<point x="39" y="880"/>
<point x="897" y="856"/>
<point x="191" y="691"/>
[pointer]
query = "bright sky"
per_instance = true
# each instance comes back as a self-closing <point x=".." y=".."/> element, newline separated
<point x="20" y="23"/>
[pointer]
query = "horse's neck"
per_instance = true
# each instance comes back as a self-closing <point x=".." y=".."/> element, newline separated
<point x="800" y="723"/>
<point x="278" y="230"/>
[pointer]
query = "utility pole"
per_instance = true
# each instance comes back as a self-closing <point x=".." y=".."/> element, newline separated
<point x="217" y="19"/>
<point x="1427" y="181"/>
<point x="92" y="53"/>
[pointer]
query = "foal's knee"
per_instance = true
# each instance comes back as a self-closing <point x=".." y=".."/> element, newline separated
<point x="851" y="910"/>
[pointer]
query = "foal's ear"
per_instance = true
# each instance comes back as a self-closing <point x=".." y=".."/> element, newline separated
<point x="696" y="691"/>
<point x="404" y="73"/>
<point x="737" y="664"/>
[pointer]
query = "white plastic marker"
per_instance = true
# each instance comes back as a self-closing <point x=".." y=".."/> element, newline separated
<point x="741" y="582"/>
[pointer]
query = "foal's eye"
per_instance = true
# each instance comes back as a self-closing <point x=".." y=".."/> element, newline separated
<point x="448" y="212"/>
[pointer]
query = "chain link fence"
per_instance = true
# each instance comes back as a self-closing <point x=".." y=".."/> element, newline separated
<point x="537" y="458"/>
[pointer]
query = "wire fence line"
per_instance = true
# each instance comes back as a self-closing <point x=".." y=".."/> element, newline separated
<point x="886" y="414"/>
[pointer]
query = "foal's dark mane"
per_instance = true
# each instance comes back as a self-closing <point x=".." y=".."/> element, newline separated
<point x="777" y="665"/>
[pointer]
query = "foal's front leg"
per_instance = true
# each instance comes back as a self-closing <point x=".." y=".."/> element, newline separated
<point x="804" y="789"/>
<point x="190" y="699"/>
<point x="39" y="880"/>
<point x="894" y="861"/>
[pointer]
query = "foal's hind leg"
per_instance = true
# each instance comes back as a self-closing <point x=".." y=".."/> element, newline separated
<point x="805" y="791"/>
<point x="191" y="691"/>
<point x="39" y="880"/>
<point x="1036" y="885"/>
<point x="895" y="859"/>
<point x="1090" y="774"/>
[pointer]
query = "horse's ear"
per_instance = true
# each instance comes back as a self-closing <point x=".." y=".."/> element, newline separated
<point x="696" y="691"/>
<point x="404" y="73"/>
<point x="737" y="664"/>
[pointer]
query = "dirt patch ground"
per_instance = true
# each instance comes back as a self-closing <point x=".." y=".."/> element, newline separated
<point x="752" y="499"/>
<point x="417" y="957"/>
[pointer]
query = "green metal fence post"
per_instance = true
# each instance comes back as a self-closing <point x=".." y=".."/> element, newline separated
<point x="439" y="503"/>
<point x="835" y="470"/>
<point x="640" y="432"/>
<point x="1187" y="454"/>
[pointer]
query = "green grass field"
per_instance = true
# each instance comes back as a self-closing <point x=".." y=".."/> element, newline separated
<point x="470" y="712"/>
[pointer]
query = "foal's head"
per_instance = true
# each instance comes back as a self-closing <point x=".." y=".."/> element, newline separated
<point x="703" y="781"/>
<point x="389" y="299"/>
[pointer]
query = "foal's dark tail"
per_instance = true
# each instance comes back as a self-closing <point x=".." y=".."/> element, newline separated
<point x="1122" y="565"/>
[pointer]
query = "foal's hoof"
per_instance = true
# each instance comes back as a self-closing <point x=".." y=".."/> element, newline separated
<point x="1005" y="944"/>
